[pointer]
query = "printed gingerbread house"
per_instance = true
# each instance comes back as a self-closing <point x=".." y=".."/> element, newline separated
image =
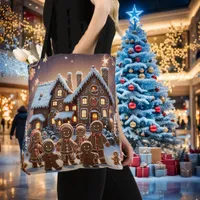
<point x="56" y="102"/>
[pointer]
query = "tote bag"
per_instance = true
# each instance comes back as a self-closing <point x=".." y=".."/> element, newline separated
<point x="72" y="114"/>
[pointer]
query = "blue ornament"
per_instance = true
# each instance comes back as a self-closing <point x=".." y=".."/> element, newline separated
<point x="134" y="14"/>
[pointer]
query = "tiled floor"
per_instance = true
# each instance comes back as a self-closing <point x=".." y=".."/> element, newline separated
<point x="14" y="184"/>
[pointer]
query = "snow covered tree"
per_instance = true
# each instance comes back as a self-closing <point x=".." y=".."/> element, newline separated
<point x="144" y="105"/>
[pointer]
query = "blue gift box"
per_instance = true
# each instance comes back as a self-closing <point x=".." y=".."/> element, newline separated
<point x="133" y="170"/>
<point x="151" y="170"/>
<point x="147" y="158"/>
<point x="160" y="172"/>
<point x="198" y="171"/>
<point x="193" y="157"/>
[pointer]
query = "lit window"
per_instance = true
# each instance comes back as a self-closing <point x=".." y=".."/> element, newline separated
<point x="66" y="108"/>
<point x="37" y="126"/>
<point x="94" y="116"/>
<point x="104" y="112"/>
<point x="74" y="108"/>
<point x="55" y="103"/>
<point x="103" y="101"/>
<point x="52" y="121"/>
<point x="59" y="123"/>
<point x="94" y="89"/>
<point x="74" y="119"/>
<point x="84" y="113"/>
<point x="60" y="93"/>
<point x="84" y="101"/>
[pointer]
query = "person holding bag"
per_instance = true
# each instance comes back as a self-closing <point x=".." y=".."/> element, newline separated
<point x="88" y="27"/>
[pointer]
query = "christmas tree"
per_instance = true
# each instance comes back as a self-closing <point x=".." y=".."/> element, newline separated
<point x="143" y="102"/>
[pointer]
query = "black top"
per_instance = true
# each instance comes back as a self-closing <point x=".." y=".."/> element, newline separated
<point x="19" y="123"/>
<point x="69" y="21"/>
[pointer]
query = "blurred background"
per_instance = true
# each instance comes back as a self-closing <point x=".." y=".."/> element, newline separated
<point x="21" y="26"/>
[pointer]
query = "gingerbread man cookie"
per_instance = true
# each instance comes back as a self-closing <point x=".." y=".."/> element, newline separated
<point x="116" y="158"/>
<point x="48" y="156"/>
<point x="80" y="137"/>
<point x="98" y="140"/>
<point x="87" y="157"/>
<point x="66" y="145"/>
<point x="35" y="148"/>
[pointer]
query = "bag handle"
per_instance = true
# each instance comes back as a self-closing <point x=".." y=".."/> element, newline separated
<point x="47" y="16"/>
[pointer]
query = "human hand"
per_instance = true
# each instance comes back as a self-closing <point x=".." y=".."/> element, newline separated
<point x="127" y="151"/>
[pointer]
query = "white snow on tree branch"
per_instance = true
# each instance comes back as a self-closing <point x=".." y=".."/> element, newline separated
<point x="9" y="66"/>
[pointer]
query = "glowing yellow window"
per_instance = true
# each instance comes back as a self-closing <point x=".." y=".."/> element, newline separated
<point x="60" y="93"/>
<point x="104" y="112"/>
<point x="74" y="108"/>
<point x="55" y="103"/>
<point x="66" y="108"/>
<point x="94" y="116"/>
<point x="74" y="119"/>
<point x="59" y="123"/>
<point x="37" y="126"/>
<point x="52" y="121"/>
<point x="84" y="113"/>
<point x="84" y="101"/>
<point x="103" y="101"/>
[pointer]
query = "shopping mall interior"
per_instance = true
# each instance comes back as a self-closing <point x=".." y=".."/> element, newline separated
<point x="179" y="66"/>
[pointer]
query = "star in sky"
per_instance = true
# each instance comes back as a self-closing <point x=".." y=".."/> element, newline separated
<point x="134" y="14"/>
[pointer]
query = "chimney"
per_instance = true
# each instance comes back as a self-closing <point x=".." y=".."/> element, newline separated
<point x="104" y="74"/>
<point x="79" y="77"/>
<point x="69" y="80"/>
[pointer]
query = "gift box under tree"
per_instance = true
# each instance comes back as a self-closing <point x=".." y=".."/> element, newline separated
<point x="151" y="170"/>
<point x="198" y="167"/>
<point x="186" y="169"/>
<point x="136" y="161"/>
<point x="142" y="171"/>
<point x="171" y="166"/>
<point x="165" y="156"/>
<point x="193" y="158"/>
<point x="156" y="154"/>
<point x="145" y="155"/>
<point x="160" y="172"/>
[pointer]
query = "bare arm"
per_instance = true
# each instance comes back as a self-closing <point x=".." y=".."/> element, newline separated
<point x="126" y="147"/>
<point x="88" y="42"/>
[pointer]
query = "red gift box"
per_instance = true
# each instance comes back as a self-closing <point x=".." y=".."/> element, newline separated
<point x="171" y="166"/>
<point x="142" y="172"/>
<point x="166" y="156"/>
<point x="135" y="161"/>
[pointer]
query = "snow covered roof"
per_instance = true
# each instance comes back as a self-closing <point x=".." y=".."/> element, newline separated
<point x="37" y="116"/>
<point x="69" y="98"/>
<point x="93" y="72"/>
<point x="63" y="81"/>
<point x="64" y="115"/>
<point x="43" y="93"/>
